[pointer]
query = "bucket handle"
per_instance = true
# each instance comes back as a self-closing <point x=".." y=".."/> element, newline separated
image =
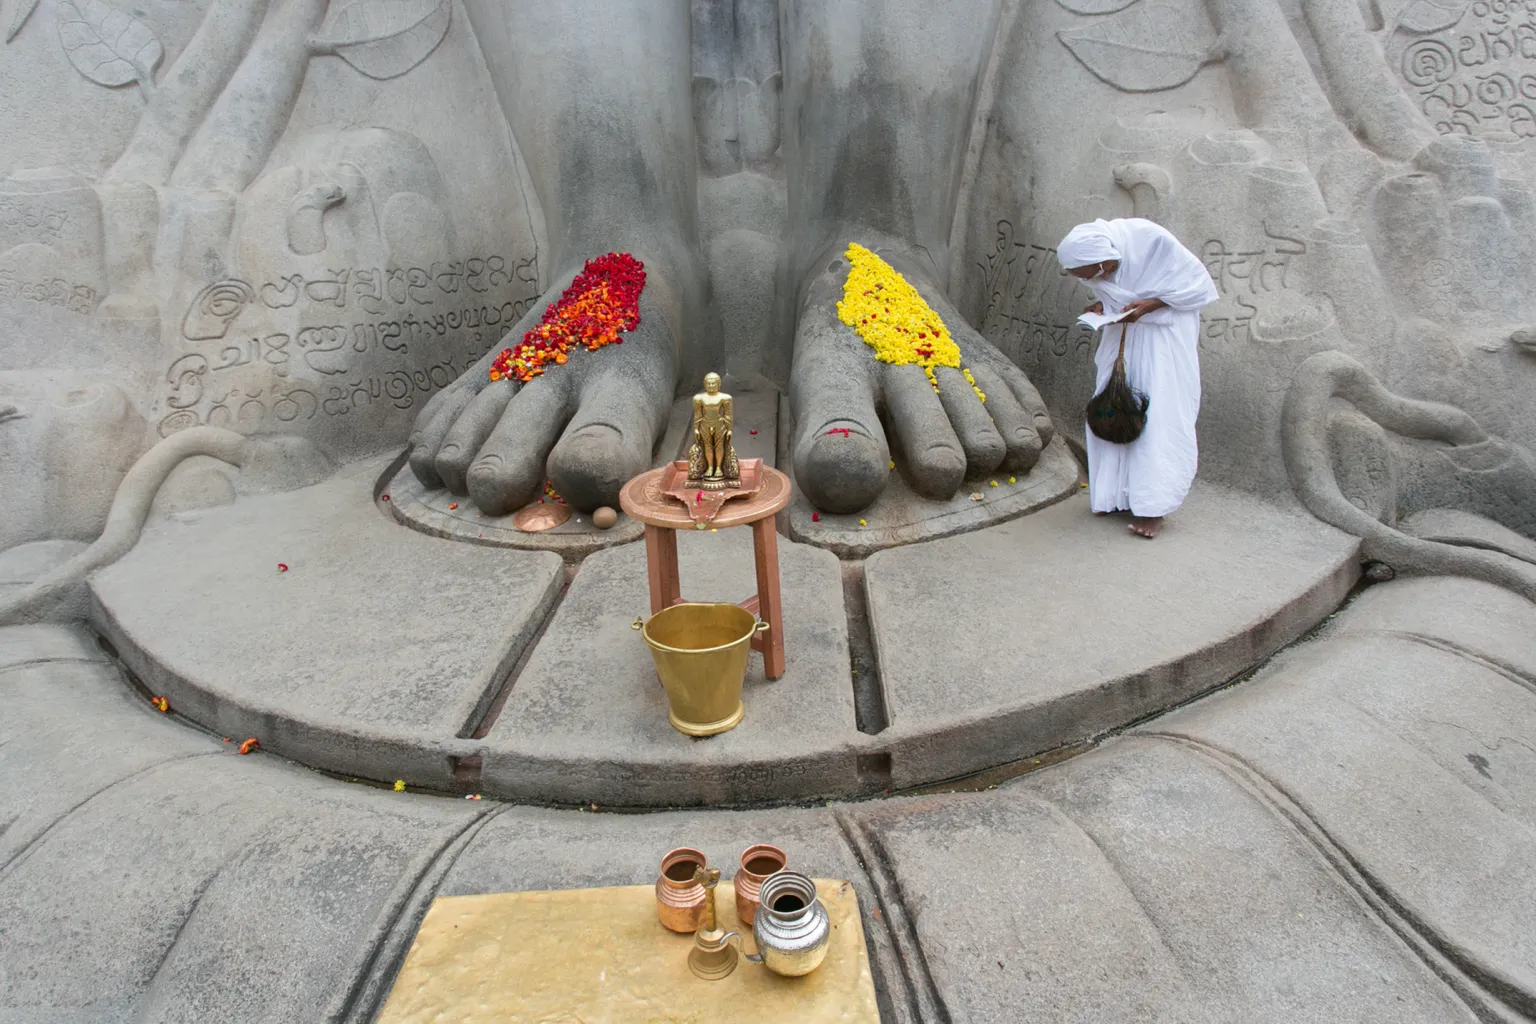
<point x="759" y="627"/>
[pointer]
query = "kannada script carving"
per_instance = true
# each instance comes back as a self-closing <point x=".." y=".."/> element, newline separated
<point x="1479" y="75"/>
<point x="54" y="291"/>
<point x="30" y="220"/>
<point x="327" y="343"/>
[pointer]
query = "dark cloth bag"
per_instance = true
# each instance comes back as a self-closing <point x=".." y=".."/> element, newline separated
<point x="1118" y="414"/>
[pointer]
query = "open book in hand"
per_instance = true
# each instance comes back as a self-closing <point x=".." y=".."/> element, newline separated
<point x="1098" y="320"/>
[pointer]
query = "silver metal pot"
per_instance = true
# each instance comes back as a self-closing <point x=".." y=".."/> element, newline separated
<point x="792" y="928"/>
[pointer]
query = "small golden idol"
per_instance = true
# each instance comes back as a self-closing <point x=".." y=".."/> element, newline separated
<point x="712" y="463"/>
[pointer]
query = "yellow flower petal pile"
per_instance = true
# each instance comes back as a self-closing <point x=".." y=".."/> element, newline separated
<point x="892" y="317"/>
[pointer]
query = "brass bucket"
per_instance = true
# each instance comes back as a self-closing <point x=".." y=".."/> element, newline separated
<point x="701" y="653"/>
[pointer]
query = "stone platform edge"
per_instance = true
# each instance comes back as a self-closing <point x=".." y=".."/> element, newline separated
<point x="923" y="756"/>
<point x="895" y="760"/>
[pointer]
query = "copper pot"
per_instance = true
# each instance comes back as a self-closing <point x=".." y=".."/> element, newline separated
<point x="679" y="898"/>
<point x="757" y="863"/>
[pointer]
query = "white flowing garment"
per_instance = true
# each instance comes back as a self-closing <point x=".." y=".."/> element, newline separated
<point x="1151" y="475"/>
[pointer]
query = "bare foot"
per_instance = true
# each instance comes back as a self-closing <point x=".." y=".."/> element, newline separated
<point x="1146" y="526"/>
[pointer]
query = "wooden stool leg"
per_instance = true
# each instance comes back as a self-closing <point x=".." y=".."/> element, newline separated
<point x="661" y="565"/>
<point x="765" y="546"/>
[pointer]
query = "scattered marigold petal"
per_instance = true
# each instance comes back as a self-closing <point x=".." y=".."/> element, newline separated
<point x="863" y="523"/>
<point x="399" y="785"/>
<point x="249" y="745"/>
<point x="160" y="704"/>
<point x="473" y="796"/>
<point x="991" y="483"/>
<point x="452" y="505"/>
<point x="1013" y="480"/>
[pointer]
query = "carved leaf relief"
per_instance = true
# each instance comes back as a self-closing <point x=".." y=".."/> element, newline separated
<point x="1148" y="48"/>
<point x="1421" y="16"/>
<point x="1095" y="6"/>
<point x="387" y="38"/>
<point x="24" y="9"/>
<point x="108" y="46"/>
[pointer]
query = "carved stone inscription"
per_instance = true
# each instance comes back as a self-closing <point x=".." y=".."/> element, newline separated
<point x="1479" y="75"/>
<point x="274" y="354"/>
<point x="16" y="284"/>
<point x="1244" y="276"/>
<point x="1032" y="304"/>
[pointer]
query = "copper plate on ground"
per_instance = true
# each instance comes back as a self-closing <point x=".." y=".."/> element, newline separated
<point x="600" y="955"/>
<point x="541" y="516"/>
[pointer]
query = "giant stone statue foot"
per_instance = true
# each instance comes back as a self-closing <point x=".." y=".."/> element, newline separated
<point x="840" y="392"/>
<point x="587" y="425"/>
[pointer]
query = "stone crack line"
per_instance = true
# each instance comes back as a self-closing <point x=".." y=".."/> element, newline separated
<point x="1491" y="998"/>
<point x="922" y="994"/>
<point x="488" y="708"/>
<point x="374" y="974"/>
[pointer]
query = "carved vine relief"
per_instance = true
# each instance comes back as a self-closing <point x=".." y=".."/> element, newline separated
<point x="261" y="353"/>
<point x="111" y="47"/>
<point x="1146" y="46"/>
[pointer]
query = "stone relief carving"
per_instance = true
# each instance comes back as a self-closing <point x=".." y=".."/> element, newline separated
<point x="107" y="45"/>
<point x="1151" y="46"/>
<point x="276" y="299"/>
<point x="1476" y="490"/>
<point x="737" y="92"/>
<point x="385" y="38"/>
<point x="1471" y="68"/>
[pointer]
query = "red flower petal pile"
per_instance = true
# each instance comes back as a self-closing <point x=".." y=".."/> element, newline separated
<point x="602" y="303"/>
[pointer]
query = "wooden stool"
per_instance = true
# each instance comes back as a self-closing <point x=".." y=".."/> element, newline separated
<point x="642" y="499"/>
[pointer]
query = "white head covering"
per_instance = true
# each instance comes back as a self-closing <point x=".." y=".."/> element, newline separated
<point x="1086" y="245"/>
<point x="1153" y="264"/>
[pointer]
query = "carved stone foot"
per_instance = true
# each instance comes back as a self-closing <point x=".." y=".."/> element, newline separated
<point x="588" y="425"/>
<point x="842" y="457"/>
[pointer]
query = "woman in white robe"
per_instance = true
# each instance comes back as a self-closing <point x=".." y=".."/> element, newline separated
<point x="1136" y="265"/>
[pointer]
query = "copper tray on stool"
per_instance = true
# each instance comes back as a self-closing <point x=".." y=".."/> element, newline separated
<point x="703" y="506"/>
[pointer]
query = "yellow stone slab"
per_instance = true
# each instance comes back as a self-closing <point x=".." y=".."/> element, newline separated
<point x="599" y="956"/>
